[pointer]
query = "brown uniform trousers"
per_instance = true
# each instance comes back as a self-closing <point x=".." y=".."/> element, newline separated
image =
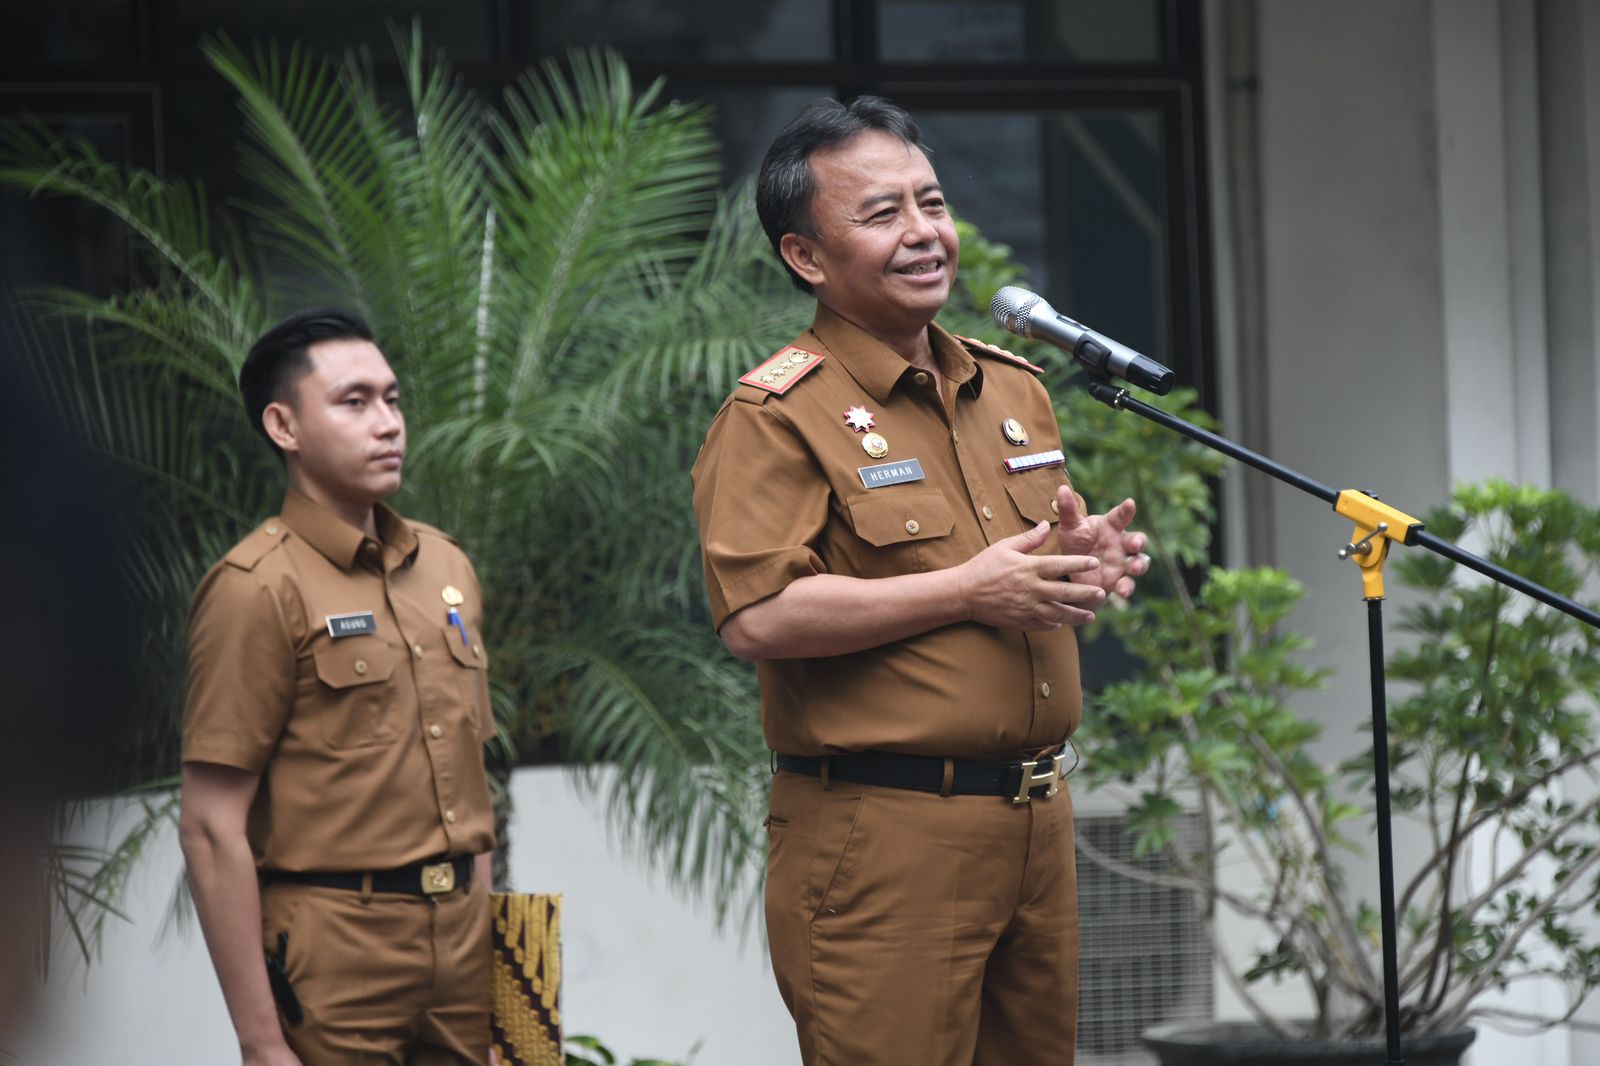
<point x="907" y="927"/>
<point x="384" y="979"/>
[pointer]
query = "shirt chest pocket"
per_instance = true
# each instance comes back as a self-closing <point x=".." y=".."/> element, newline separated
<point x="472" y="679"/>
<point x="353" y="698"/>
<point x="901" y="533"/>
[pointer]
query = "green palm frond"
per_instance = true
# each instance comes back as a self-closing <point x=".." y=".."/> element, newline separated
<point x="87" y="882"/>
<point x="566" y="297"/>
<point x="591" y="184"/>
<point x="169" y="220"/>
<point x="310" y="152"/>
<point x="688" y="785"/>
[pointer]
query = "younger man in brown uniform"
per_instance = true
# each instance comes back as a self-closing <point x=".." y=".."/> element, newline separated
<point x="335" y="808"/>
<point x="876" y="505"/>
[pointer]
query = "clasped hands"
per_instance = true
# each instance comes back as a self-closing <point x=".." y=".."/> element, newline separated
<point x="1011" y="588"/>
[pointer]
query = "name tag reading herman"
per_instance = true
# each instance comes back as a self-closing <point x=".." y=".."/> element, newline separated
<point x="876" y="477"/>
<point x="351" y="625"/>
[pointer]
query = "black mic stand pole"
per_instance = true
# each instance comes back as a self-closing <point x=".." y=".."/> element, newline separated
<point x="1377" y="526"/>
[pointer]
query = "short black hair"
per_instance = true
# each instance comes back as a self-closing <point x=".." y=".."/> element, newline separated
<point x="786" y="186"/>
<point x="282" y="355"/>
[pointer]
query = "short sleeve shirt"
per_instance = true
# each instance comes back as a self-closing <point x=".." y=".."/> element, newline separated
<point x="329" y="663"/>
<point x="785" y="488"/>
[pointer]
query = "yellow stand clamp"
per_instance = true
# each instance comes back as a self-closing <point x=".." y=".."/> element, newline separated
<point x="1376" y="525"/>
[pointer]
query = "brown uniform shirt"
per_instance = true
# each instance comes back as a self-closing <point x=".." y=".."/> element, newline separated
<point x="369" y="746"/>
<point x="779" y="495"/>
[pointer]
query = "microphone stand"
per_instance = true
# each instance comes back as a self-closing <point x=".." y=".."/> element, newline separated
<point x="1377" y="526"/>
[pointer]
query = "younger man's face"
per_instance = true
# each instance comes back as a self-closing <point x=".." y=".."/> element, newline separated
<point x="349" y="435"/>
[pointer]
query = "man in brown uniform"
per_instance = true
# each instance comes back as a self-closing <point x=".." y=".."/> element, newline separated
<point x="335" y="809"/>
<point x="876" y="505"/>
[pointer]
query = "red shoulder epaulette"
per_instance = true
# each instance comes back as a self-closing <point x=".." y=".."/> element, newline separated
<point x="779" y="373"/>
<point x="1011" y="357"/>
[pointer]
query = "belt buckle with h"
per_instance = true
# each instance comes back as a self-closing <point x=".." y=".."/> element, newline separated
<point x="1032" y="777"/>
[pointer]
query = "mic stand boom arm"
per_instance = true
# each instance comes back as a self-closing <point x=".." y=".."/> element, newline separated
<point x="1377" y="525"/>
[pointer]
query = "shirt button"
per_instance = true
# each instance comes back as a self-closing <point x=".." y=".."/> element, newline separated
<point x="369" y="547"/>
<point x="920" y="378"/>
<point x="1044" y="690"/>
<point x="955" y="436"/>
<point x="417" y="648"/>
<point x="988" y="512"/>
<point x="435" y="732"/>
<point x="912" y="527"/>
<point x="477" y="652"/>
<point x="1055" y="505"/>
<point x="361" y="666"/>
<point x="272" y="528"/>
<point x="450" y="816"/>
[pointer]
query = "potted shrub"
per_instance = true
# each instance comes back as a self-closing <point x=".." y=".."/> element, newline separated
<point x="1490" y="726"/>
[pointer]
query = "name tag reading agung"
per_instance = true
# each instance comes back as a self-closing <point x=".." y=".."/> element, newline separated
<point x="350" y="625"/>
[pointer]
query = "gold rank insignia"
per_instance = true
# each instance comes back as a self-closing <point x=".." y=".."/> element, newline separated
<point x="875" y="445"/>
<point x="779" y="373"/>
<point x="859" y="419"/>
<point x="452" y="596"/>
<point x="1015" y="432"/>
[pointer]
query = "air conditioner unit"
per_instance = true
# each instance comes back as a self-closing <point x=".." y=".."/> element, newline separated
<point x="1145" y="957"/>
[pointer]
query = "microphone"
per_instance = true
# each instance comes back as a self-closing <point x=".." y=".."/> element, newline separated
<point x="1027" y="314"/>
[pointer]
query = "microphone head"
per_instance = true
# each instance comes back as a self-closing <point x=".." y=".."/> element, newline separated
<point x="1013" y="306"/>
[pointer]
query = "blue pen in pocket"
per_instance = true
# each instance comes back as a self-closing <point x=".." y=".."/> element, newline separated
<point x="452" y="598"/>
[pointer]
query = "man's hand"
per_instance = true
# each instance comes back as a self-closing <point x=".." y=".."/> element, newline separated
<point x="1009" y="588"/>
<point x="1106" y="538"/>
<point x="227" y="899"/>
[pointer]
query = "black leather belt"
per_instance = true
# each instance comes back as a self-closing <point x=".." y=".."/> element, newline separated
<point x="418" y="879"/>
<point x="1020" y="780"/>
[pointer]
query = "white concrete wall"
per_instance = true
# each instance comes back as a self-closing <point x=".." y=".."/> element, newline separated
<point x="1430" y="212"/>
<point x="643" y="970"/>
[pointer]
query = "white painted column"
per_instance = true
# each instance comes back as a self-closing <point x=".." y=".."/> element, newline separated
<point x="1480" y="380"/>
<point x="1491" y="260"/>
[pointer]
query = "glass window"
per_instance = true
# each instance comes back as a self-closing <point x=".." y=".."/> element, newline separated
<point x="1080" y="198"/>
<point x="991" y="31"/>
<point x="68" y="33"/>
<point x="465" y="31"/>
<point x="54" y="240"/>
<point x="967" y="31"/>
<point x="747" y="119"/>
<point x="721" y="30"/>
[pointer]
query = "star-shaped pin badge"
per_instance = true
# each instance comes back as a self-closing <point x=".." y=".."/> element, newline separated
<point x="859" y="419"/>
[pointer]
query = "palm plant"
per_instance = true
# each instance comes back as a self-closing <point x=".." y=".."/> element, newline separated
<point x="565" y="296"/>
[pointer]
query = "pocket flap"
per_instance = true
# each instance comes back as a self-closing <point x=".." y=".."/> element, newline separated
<point x="1035" y="498"/>
<point x="471" y="655"/>
<point x="897" y="517"/>
<point x="345" y="665"/>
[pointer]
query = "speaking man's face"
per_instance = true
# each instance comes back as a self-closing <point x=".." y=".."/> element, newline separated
<point x="886" y="249"/>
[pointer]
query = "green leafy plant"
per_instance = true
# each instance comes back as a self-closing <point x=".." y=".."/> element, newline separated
<point x="590" y="1051"/>
<point x="1490" y="724"/>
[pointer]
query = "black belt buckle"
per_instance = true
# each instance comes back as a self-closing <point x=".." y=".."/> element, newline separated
<point x="1032" y="777"/>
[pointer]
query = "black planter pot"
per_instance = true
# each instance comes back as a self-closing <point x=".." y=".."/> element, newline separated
<point x="1248" y="1044"/>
